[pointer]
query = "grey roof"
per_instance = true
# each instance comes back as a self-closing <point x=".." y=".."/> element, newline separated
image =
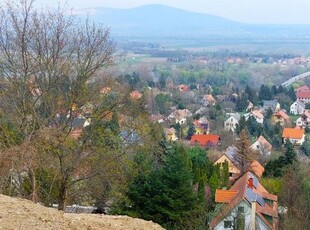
<point x="270" y="103"/>
<point x="231" y="152"/>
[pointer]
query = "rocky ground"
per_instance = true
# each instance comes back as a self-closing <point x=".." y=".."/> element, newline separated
<point x="22" y="214"/>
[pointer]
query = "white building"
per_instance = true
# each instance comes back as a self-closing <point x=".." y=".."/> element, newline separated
<point x="232" y="121"/>
<point x="298" y="107"/>
<point x="246" y="205"/>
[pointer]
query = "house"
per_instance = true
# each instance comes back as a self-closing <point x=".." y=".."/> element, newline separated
<point x="157" y="118"/>
<point x="206" y="140"/>
<point x="232" y="121"/>
<point x="262" y="146"/>
<point x="183" y="87"/>
<point x="171" y="134"/>
<point x="248" y="203"/>
<point x="304" y="120"/>
<point x="298" y="107"/>
<point x="271" y="104"/>
<point x="208" y="100"/>
<point x="202" y="111"/>
<point x="296" y="136"/>
<point x="303" y="96"/>
<point x="180" y="116"/>
<point x="281" y="118"/>
<point x="234" y="167"/>
<point x="135" y="95"/>
<point x="259" y="117"/>
<point x="250" y="106"/>
<point x="201" y="125"/>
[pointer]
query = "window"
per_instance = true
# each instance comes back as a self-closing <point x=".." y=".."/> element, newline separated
<point x="227" y="224"/>
<point x="240" y="209"/>
<point x="230" y="174"/>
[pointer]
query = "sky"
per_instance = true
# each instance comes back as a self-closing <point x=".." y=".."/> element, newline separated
<point x="249" y="11"/>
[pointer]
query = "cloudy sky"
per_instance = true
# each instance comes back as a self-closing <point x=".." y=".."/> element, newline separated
<point x="250" y="11"/>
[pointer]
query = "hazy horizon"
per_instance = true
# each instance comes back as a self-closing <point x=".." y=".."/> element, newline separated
<point x="248" y="11"/>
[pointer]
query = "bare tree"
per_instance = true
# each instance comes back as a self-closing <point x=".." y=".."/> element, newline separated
<point x="244" y="155"/>
<point x="49" y="64"/>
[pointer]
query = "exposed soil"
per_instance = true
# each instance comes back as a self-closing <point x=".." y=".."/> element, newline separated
<point x="16" y="213"/>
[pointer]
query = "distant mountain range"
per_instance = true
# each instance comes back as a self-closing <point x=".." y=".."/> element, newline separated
<point x="163" y="21"/>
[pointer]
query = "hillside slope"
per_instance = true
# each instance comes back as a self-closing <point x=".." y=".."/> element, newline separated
<point x="18" y="213"/>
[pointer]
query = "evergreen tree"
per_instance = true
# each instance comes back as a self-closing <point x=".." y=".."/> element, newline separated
<point x="225" y="174"/>
<point x="166" y="195"/>
<point x="245" y="155"/>
<point x="252" y="95"/>
<point x="242" y="102"/>
<point x="241" y="125"/>
<point x="291" y="93"/>
<point x="264" y="93"/>
<point x="191" y="131"/>
<point x="290" y="154"/>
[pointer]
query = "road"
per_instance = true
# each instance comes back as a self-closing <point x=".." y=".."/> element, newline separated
<point x="296" y="78"/>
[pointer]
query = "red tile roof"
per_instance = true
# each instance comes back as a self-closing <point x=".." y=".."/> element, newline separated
<point x="257" y="168"/>
<point x="293" y="133"/>
<point x="303" y="88"/>
<point x="266" y="145"/>
<point x="224" y="196"/>
<point x="282" y="114"/>
<point x="206" y="139"/>
<point x="242" y="186"/>
<point x="302" y="95"/>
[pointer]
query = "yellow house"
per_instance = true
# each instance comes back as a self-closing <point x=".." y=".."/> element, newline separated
<point x="171" y="134"/>
<point x="234" y="171"/>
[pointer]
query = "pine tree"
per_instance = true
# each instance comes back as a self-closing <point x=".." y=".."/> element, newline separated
<point x="225" y="174"/>
<point x="241" y="125"/>
<point x="166" y="195"/>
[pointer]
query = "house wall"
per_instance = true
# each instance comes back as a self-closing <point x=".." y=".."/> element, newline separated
<point x="257" y="146"/>
<point x="230" y="124"/>
<point x="305" y="100"/>
<point x="231" y="167"/>
<point x="260" y="224"/>
<point x="295" y="109"/>
<point x="295" y="141"/>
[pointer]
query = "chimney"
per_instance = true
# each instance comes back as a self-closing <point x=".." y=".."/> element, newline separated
<point x="250" y="183"/>
<point x="253" y="214"/>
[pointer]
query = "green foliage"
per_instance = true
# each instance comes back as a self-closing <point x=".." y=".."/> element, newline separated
<point x="253" y="127"/>
<point x="272" y="185"/>
<point x="242" y="102"/>
<point x="166" y="195"/>
<point x="265" y="93"/>
<point x="191" y="131"/>
<point x="48" y="183"/>
<point x="276" y="168"/>
<point x="241" y="125"/>
<point x="161" y="100"/>
<point x="225" y="174"/>
<point x="305" y="148"/>
<point x="181" y="105"/>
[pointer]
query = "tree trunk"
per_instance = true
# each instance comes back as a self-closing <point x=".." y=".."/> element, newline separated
<point x="34" y="194"/>
<point x="63" y="195"/>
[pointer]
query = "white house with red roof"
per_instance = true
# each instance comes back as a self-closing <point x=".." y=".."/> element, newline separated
<point x="246" y="205"/>
<point x="303" y="94"/>
<point x="262" y="146"/>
